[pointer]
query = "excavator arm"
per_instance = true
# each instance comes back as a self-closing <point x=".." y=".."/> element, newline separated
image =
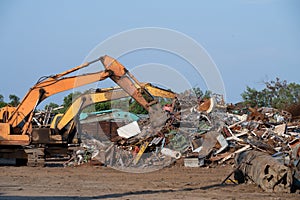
<point x="103" y="95"/>
<point x="46" y="89"/>
<point x="21" y="118"/>
<point x="157" y="91"/>
<point x="127" y="82"/>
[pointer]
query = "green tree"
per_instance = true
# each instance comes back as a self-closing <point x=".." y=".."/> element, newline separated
<point x="103" y="106"/>
<point x="253" y="98"/>
<point x="118" y="104"/>
<point x="200" y="95"/>
<point x="68" y="100"/>
<point x="198" y="92"/>
<point x="14" y="100"/>
<point x="53" y="105"/>
<point x="2" y="103"/>
<point x="277" y="94"/>
<point x="136" y="108"/>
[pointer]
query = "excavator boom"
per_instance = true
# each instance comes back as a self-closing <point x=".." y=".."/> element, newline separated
<point x="55" y="84"/>
<point x="106" y="94"/>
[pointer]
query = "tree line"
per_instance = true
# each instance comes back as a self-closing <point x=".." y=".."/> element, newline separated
<point x="276" y="94"/>
<point x="14" y="100"/>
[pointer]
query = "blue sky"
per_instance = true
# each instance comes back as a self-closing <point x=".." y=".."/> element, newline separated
<point x="250" y="41"/>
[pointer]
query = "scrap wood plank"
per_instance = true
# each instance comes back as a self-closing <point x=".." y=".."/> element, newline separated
<point x="140" y="153"/>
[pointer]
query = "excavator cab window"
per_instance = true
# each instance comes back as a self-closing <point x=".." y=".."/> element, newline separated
<point x="5" y="116"/>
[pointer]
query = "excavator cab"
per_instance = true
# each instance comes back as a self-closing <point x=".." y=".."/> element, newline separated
<point x="6" y="112"/>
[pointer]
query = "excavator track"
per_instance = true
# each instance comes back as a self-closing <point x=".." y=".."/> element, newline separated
<point x="36" y="157"/>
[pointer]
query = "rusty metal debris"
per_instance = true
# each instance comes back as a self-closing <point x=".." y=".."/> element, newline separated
<point x="265" y="171"/>
<point x="205" y="133"/>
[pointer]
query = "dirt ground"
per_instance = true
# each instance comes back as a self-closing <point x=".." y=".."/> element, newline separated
<point x="99" y="182"/>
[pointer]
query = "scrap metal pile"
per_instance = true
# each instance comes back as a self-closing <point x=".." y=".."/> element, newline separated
<point x="263" y="144"/>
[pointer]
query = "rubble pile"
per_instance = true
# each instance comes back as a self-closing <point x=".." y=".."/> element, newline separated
<point x="209" y="137"/>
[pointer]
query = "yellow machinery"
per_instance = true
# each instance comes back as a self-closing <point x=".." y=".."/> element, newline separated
<point x="103" y="95"/>
<point x="16" y="129"/>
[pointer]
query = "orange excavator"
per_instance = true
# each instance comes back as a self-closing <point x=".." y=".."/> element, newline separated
<point x="16" y="130"/>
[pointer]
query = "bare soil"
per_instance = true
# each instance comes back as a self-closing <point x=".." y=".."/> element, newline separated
<point x="99" y="182"/>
